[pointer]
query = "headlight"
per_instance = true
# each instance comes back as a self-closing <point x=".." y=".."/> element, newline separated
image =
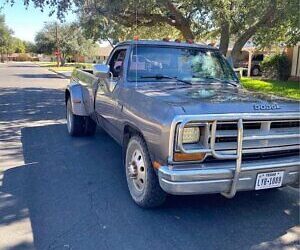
<point x="191" y="135"/>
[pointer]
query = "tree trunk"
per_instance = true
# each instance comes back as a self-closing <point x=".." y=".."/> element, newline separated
<point x="186" y="31"/>
<point x="241" y="41"/>
<point x="224" y="40"/>
<point x="62" y="59"/>
<point x="180" y="22"/>
<point x="236" y="50"/>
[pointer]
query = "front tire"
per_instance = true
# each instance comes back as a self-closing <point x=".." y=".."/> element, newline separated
<point x="142" y="180"/>
<point x="296" y="184"/>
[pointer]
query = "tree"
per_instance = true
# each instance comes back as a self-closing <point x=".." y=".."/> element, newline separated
<point x="18" y="46"/>
<point x="101" y="28"/>
<point x="8" y="43"/>
<point x="242" y="20"/>
<point x="184" y="16"/>
<point x="30" y="47"/>
<point x="67" y="38"/>
<point x="237" y="20"/>
<point x="285" y="32"/>
<point x="139" y="14"/>
<point x="5" y="38"/>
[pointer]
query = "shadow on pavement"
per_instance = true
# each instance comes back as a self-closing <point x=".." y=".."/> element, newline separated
<point x="22" y="246"/>
<point x="23" y="107"/>
<point x="75" y="194"/>
<point x="31" y="104"/>
<point x="55" y="76"/>
<point x="22" y="65"/>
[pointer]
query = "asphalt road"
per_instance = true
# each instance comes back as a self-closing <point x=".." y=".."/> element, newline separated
<point x="58" y="192"/>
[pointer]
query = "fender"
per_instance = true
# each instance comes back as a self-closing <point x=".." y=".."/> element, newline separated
<point x="76" y="95"/>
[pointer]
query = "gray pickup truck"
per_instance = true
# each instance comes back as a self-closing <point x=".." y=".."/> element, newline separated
<point x="185" y="123"/>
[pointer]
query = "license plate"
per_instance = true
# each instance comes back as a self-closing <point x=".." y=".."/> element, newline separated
<point x="269" y="180"/>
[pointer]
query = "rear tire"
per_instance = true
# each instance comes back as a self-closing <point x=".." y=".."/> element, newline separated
<point x="79" y="125"/>
<point x="90" y="126"/>
<point x="142" y="180"/>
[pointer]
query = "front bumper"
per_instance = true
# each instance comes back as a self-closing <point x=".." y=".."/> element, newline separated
<point x="217" y="178"/>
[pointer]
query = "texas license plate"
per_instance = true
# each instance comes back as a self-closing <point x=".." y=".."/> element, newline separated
<point x="269" y="180"/>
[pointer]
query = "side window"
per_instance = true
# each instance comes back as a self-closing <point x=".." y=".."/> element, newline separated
<point x="117" y="61"/>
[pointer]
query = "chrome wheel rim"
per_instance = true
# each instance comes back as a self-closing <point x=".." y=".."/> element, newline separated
<point x="137" y="170"/>
<point x="69" y="120"/>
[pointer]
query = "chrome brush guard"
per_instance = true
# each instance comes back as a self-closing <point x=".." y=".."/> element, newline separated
<point x="239" y="119"/>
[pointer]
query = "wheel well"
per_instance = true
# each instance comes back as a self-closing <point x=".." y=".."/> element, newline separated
<point x="67" y="95"/>
<point x="129" y="131"/>
<point x="256" y="67"/>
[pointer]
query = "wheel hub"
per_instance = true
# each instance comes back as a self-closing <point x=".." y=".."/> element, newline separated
<point x="136" y="170"/>
<point x="132" y="170"/>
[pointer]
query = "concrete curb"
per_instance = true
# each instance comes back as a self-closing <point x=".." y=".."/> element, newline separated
<point x="61" y="74"/>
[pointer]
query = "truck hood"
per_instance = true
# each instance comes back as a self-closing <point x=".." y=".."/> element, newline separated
<point x="216" y="98"/>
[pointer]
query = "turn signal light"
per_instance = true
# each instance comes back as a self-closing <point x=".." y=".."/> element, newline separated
<point x="189" y="157"/>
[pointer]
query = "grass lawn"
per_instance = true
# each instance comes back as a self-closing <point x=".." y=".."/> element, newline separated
<point x="66" y="67"/>
<point x="287" y="89"/>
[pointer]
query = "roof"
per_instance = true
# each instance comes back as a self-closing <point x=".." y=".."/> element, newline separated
<point x="104" y="51"/>
<point x="13" y="55"/>
<point x="166" y="43"/>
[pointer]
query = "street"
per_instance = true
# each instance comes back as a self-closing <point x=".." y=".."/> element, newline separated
<point x="59" y="192"/>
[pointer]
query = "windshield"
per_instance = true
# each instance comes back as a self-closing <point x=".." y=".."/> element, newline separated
<point x="189" y="64"/>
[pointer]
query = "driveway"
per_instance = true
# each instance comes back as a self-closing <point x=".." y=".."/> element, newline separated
<point x="58" y="192"/>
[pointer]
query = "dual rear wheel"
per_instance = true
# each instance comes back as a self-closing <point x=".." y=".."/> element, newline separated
<point x="79" y="125"/>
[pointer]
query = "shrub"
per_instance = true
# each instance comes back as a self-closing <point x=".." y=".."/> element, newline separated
<point x="23" y="57"/>
<point x="276" y="67"/>
<point x="79" y="66"/>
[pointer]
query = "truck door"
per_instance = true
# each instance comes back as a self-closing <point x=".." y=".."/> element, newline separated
<point x="107" y="91"/>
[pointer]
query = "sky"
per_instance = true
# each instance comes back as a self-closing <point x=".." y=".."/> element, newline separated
<point x="27" y="22"/>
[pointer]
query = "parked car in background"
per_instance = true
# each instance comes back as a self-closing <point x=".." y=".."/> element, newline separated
<point x="255" y="63"/>
<point x="184" y="122"/>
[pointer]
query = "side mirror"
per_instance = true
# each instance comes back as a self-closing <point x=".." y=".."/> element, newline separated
<point x="101" y="70"/>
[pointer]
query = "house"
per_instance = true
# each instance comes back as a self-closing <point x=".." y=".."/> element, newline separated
<point x="13" y="57"/>
<point x="104" y="51"/>
<point x="100" y="54"/>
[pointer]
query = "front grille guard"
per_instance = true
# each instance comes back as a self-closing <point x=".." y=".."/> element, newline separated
<point x="240" y="137"/>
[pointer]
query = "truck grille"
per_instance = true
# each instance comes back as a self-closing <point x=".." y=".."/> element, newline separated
<point x="260" y="156"/>
<point x="260" y="137"/>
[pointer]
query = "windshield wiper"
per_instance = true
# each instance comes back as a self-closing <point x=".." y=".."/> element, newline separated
<point x="221" y="80"/>
<point x="166" y="77"/>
